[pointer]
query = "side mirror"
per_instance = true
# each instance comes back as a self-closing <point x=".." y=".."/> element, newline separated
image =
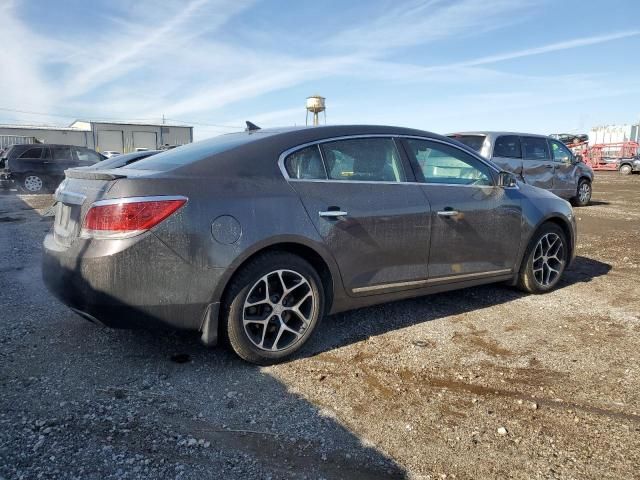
<point x="507" y="180"/>
<point x="577" y="159"/>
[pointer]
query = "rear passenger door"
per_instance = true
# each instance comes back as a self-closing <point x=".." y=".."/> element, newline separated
<point x="537" y="166"/>
<point x="375" y="223"/>
<point x="61" y="160"/>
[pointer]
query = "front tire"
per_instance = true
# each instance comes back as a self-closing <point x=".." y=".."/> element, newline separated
<point x="544" y="261"/>
<point x="625" y="169"/>
<point x="583" y="193"/>
<point x="272" y="308"/>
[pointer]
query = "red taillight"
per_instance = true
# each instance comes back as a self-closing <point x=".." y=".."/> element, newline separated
<point x="127" y="217"/>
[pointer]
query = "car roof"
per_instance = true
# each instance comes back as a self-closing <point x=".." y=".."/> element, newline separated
<point x="495" y="133"/>
<point x="35" y="145"/>
<point x="298" y="135"/>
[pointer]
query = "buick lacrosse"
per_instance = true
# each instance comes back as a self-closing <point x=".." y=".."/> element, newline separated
<point x="253" y="237"/>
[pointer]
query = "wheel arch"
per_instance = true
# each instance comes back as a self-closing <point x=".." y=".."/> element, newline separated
<point x="566" y="228"/>
<point x="556" y="219"/>
<point x="322" y="262"/>
<point x="628" y="163"/>
<point x="584" y="176"/>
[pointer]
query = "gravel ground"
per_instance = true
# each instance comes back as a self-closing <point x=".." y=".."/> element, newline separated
<point x="480" y="383"/>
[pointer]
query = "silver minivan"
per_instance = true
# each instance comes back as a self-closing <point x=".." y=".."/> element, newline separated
<point x="537" y="160"/>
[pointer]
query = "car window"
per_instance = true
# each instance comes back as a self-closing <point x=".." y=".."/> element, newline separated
<point x="84" y="155"/>
<point x="194" y="152"/>
<point x="560" y="152"/>
<point x="535" y="148"/>
<point x="441" y="163"/>
<point x="363" y="159"/>
<point x="474" y="142"/>
<point x="61" y="153"/>
<point x="507" y="146"/>
<point x="32" y="153"/>
<point x="305" y="164"/>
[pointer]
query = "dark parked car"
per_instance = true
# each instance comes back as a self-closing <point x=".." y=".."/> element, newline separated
<point x="537" y="160"/>
<point x="39" y="168"/>
<point x="570" y="138"/>
<point x="255" y="236"/>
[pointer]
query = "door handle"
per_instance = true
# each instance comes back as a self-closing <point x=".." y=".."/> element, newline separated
<point x="333" y="214"/>
<point x="448" y="213"/>
<point x="548" y="166"/>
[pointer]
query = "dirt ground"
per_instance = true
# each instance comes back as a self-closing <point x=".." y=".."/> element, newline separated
<point x="481" y="383"/>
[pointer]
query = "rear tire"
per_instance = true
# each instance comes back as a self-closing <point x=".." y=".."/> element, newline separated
<point x="544" y="260"/>
<point x="583" y="193"/>
<point x="625" y="169"/>
<point x="272" y="308"/>
<point x="32" y="183"/>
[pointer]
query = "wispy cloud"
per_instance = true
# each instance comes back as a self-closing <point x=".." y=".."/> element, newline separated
<point x="136" y="45"/>
<point x="422" y="21"/>
<point x="552" y="47"/>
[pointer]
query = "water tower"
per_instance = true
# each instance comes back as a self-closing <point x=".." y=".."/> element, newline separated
<point x="315" y="105"/>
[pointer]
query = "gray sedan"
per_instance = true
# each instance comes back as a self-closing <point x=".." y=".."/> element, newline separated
<point x="253" y="237"/>
<point x="537" y="160"/>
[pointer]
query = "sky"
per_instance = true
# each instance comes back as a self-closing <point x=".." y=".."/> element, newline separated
<point x="540" y="66"/>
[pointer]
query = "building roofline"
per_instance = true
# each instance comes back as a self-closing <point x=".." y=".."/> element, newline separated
<point x="42" y="127"/>
<point x="147" y="124"/>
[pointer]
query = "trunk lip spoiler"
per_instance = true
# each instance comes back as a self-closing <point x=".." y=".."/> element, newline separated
<point x="92" y="174"/>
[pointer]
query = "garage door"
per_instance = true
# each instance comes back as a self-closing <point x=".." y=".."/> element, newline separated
<point x="145" y="140"/>
<point x="111" y="140"/>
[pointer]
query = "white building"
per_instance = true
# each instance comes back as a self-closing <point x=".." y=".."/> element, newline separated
<point x="614" y="134"/>
<point x="121" y="137"/>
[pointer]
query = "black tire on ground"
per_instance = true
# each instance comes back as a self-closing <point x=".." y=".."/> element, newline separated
<point x="32" y="183"/>
<point x="583" y="193"/>
<point x="532" y="277"/>
<point x="625" y="169"/>
<point x="250" y="280"/>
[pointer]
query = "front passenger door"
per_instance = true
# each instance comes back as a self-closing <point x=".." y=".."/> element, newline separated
<point x="475" y="225"/>
<point x="565" y="179"/>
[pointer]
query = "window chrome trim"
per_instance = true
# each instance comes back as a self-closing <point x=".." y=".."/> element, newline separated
<point x="393" y="137"/>
<point x="432" y="281"/>
<point x="373" y="182"/>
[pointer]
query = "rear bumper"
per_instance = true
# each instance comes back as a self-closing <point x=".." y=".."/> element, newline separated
<point x="133" y="283"/>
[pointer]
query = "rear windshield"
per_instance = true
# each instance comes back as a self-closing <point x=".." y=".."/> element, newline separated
<point x="472" y="141"/>
<point x="5" y="154"/>
<point x="193" y="152"/>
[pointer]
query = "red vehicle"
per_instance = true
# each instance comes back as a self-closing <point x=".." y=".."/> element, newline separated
<point x="608" y="156"/>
